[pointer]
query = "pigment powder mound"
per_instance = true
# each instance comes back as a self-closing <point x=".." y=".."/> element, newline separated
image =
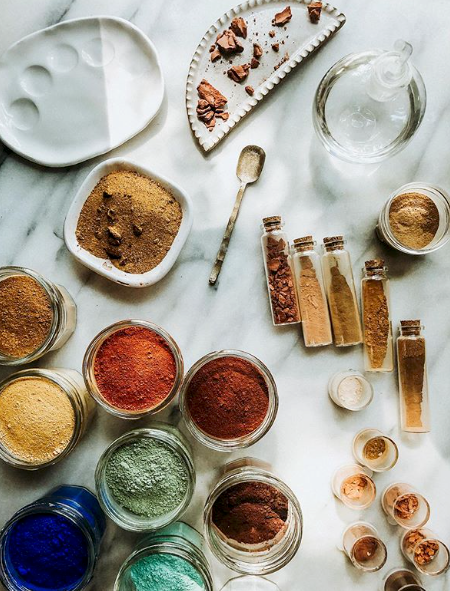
<point x="228" y="398"/>
<point x="47" y="551"/>
<point x="37" y="420"/>
<point x="164" y="572"/>
<point x="251" y="512"/>
<point x="131" y="220"/>
<point x="135" y="369"/>
<point x="147" y="477"/>
<point x="414" y="219"/>
<point x="26" y="316"/>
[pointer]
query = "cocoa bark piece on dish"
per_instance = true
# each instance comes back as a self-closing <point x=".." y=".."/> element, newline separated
<point x="239" y="27"/>
<point x="276" y="46"/>
<point x="215" y="55"/>
<point x="257" y="51"/>
<point x="282" y="18"/>
<point x="250" y="90"/>
<point x="211" y="105"/>
<point x="315" y="11"/>
<point x="228" y="43"/>
<point x="254" y="63"/>
<point x="238" y="73"/>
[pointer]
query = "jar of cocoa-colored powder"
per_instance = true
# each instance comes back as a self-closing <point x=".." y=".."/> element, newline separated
<point x="229" y="400"/>
<point x="252" y="519"/>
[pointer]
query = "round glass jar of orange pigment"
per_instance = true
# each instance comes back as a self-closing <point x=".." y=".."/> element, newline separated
<point x="261" y="530"/>
<point x="229" y="400"/>
<point x="133" y="368"/>
<point x="43" y="415"/>
<point x="37" y="316"/>
<point x="415" y="219"/>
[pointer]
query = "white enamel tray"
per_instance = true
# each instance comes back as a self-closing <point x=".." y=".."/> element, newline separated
<point x="301" y="39"/>
<point x="104" y="266"/>
<point x="78" y="89"/>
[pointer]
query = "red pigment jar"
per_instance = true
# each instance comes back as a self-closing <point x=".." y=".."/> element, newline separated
<point x="133" y="368"/>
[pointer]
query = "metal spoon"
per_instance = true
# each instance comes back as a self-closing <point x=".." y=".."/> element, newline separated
<point x="249" y="168"/>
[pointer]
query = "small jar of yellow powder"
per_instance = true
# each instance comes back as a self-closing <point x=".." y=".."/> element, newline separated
<point x="43" y="415"/>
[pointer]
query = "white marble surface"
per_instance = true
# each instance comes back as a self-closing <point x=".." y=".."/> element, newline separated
<point x="314" y="194"/>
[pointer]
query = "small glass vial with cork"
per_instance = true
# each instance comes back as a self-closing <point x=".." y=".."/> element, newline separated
<point x="340" y="287"/>
<point x="404" y="506"/>
<point x="311" y="293"/>
<point x="377" y="326"/>
<point x="363" y="546"/>
<point x="353" y="485"/>
<point x="401" y="579"/>
<point x="412" y="377"/>
<point x="279" y="273"/>
<point x="376" y="451"/>
<point x="428" y="554"/>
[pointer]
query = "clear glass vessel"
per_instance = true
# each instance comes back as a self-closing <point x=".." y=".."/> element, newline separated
<point x="340" y="287"/>
<point x="369" y="105"/>
<point x="377" y="325"/>
<point x="440" y="199"/>
<point x="405" y="506"/>
<point x="364" y="547"/>
<point x="163" y="433"/>
<point x="64" y="316"/>
<point x="75" y="503"/>
<point x="413" y="378"/>
<point x="258" y="559"/>
<point x="228" y="445"/>
<point x="425" y="551"/>
<point x="401" y="579"/>
<point x="311" y="293"/>
<point x="353" y="485"/>
<point x="89" y="362"/>
<point x="279" y="273"/>
<point x="176" y="540"/>
<point x="350" y="390"/>
<point x="376" y="451"/>
<point x="72" y="384"/>
<point x="250" y="583"/>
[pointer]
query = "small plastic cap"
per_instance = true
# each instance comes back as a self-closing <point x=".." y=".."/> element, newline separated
<point x="250" y="583"/>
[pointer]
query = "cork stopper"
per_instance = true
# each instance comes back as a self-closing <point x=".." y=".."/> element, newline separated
<point x="332" y="242"/>
<point x="410" y="327"/>
<point x="410" y="323"/>
<point x="304" y="240"/>
<point x="274" y="220"/>
<point x="374" y="264"/>
<point x="304" y="243"/>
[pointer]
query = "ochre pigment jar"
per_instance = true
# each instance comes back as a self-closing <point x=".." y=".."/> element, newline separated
<point x="53" y="543"/>
<point x="253" y="521"/>
<point x="146" y="478"/>
<point x="229" y="400"/>
<point x="43" y="415"/>
<point x="37" y="316"/>
<point x="133" y="369"/>
<point x="175" y="554"/>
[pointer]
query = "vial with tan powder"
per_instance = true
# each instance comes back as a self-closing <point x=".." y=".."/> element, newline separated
<point x="362" y="544"/>
<point x="426" y="552"/>
<point x="353" y="485"/>
<point x="376" y="451"/>
<point x="340" y="288"/>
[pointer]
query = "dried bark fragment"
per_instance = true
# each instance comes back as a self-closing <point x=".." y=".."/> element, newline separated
<point x="315" y="11"/>
<point x="282" y="18"/>
<point x="257" y="51"/>
<point x="211" y="104"/>
<point x="239" y="27"/>
<point x="228" y="43"/>
<point x="238" y="73"/>
<point x="250" y="90"/>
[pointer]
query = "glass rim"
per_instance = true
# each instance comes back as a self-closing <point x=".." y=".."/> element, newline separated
<point x="380" y="435"/>
<point x="360" y="565"/>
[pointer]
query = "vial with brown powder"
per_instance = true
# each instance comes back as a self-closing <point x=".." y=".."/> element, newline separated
<point x="378" y="342"/>
<point x="364" y="547"/>
<point x="311" y="293"/>
<point x="404" y="506"/>
<point x="340" y="287"/>
<point x="425" y="551"/>
<point x="412" y="377"/>
<point x="401" y="579"/>
<point x="279" y="274"/>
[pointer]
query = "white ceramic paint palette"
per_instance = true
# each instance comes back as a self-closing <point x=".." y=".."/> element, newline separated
<point x="297" y="40"/>
<point x="78" y="89"/>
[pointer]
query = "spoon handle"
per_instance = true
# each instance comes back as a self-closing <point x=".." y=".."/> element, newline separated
<point x="226" y="237"/>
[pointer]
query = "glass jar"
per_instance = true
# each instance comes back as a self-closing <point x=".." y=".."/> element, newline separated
<point x="250" y="583"/>
<point x="254" y="559"/>
<point x="440" y="199"/>
<point x="401" y="579"/>
<point x="413" y="378"/>
<point x="89" y="362"/>
<point x="279" y="273"/>
<point x="64" y="314"/>
<point x="72" y="384"/>
<point x="350" y="390"/>
<point x="178" y="540"/>
<point x="177" y="443"/>
<point x="340" y="287"/>
<point x="404" y="506"/>
<point x="228" y="445"/>
<point x="375" y="300"/>
<point x="376" y="451"/>
<point x="311" y="293"/>
<point x="353" y="485"/>
<point x="363" y="546"/>
<point x="428" y="554"/>
<point x="74" y="503"/>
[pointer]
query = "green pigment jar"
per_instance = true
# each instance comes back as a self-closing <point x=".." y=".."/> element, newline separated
<point x="146" y="478"/>
<point x="171" y="559"/>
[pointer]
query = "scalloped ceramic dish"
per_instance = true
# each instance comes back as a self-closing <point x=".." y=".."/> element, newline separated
<point x="299" y="39"/>
<point x="78" y="89"/>
<point x="104" y="266"/>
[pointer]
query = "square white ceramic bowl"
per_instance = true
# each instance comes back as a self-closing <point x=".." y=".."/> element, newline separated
<point x="104" y="266"/>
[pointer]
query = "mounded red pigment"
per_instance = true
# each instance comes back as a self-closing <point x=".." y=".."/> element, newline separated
<point x="250" y="512"/>
<point x="228" y="398"/>
<point x="134" y="369"/>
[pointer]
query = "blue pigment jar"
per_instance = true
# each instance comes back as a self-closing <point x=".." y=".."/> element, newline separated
<point x="53" y="543"/>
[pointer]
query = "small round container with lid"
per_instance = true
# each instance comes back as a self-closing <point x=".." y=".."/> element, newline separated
<point x="404" y="506"/>
<point x="350" y="390"/>
<point x="37" y="316"/>
<point x="30" y="558"/>
<point x="250" y="583"/>
<point x="229" y="400"/>
<point x="146" y="478"/>
<point x="363" y="546"/>
<point x="260" y="530"/>
<point x="427" y="553"/>
<point x="401" y="579"/>
<point x="133" y="368"/>
<point x="353" y="485"/>
<point x="43" y="415"/>
<point x="415" y="219"/>
<point x="376" y="451"/>
<point x="174" y="554"/>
